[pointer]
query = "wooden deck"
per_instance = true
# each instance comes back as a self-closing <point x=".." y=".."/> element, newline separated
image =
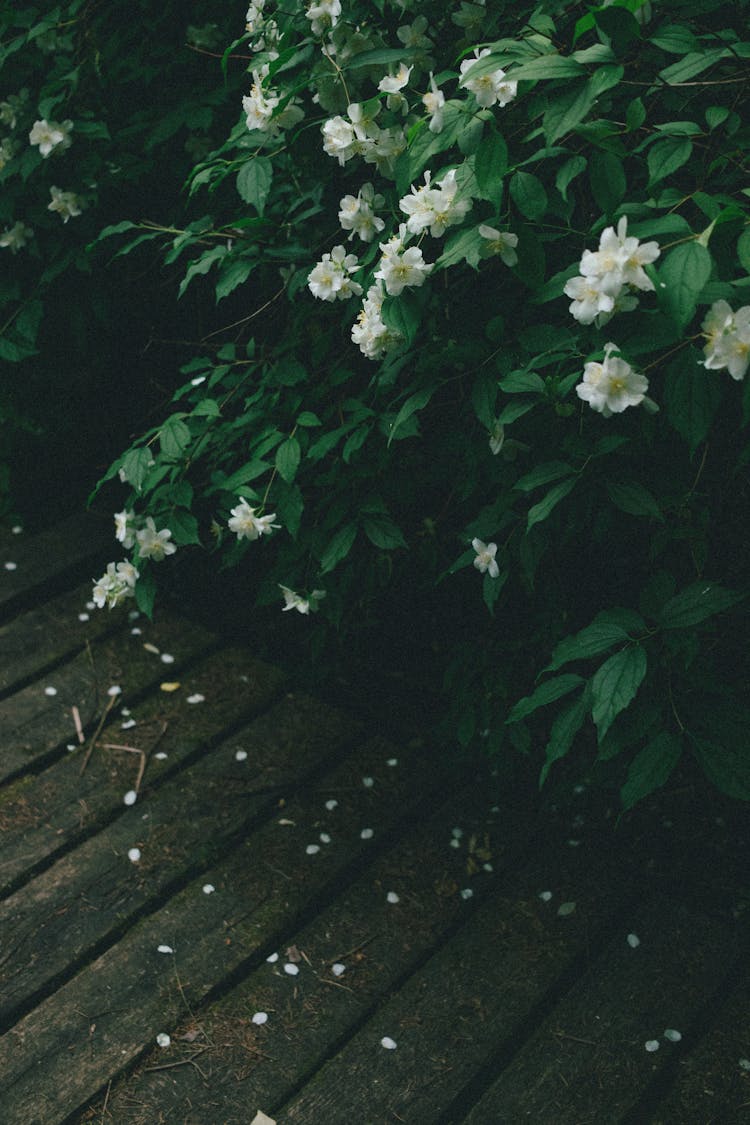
<point x="280" y="838"/>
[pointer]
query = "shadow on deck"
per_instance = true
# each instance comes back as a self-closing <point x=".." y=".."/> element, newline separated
<point x="193" y="849"/>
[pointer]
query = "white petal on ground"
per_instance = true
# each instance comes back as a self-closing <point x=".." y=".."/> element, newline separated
<point x="338" y="969"/>
<point x="11" y="566"/>
<point x="130" y="797"/>
<point x="487" y="867"/>
<point x="162" y="1039"/>
<point x="84" y="616"/>
<point x="136" y="632"/>
<point x="565" y="909"/>
<point x="127" y="724"/>
<point x="151" y="648"/>
<point x="272" y="958"/>
<point x="260" y="1018"/>
<point x="392" y="762"/>
<point x="392" y="897"/>
<point x="134" y="854"/>
<point x="651" y="1045"/>
<point x="166" y="658"/>
<point x="325" y="838"/>
<point x="208" y="888"/>
<point x="455" y="842"/>
<point x="196" y="698"/>
<point x="50" y="691"/>
<point x="388" y="1043"/>
<point x="240" y="755"/>
<point x="633" y="941"/>
<point x="457" y="833"/>
<point x="114" y="690"/>
<point x="312" y="849"/>
<point x="16" y="529"/>
<point x="291" y="969"/>
<point x="331" y="805"/>
<point x="545" y="896"/>
<point x="672" y="1035"/>
<point x="467" y="893"/>
<point x="368" y="782"/>
<point x="161" y="755"/>
<point x="744" y="1064"/>
<point x="366" y="834"/>
<point x="164" y="949"/>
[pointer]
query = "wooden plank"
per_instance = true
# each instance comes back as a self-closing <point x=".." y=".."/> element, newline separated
<point x="710" y="1069"/>
<point x="38" y="640"/>
<point x="588" y="1062"/>
<point x="36" y="727"/>
<point x="62" y="1053"/>
<point x="80" y="904"/>
<point x="379" y="942"/>
<point x="54" y="557"/>
<point x="44" y="814"/>
<point x="483" y="990"/>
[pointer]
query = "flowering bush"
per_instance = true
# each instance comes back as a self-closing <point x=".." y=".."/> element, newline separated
<point x="406" y="413"/>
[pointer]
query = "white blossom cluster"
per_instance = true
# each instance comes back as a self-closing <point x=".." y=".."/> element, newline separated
<point x="727" y="339"/>
<point x="51" y="136"/>
<point x="360" y="135"/>
<point x="66" y="203"/>
<point x="357" y="213"/>
<point x="247" y="524"/>
<point x="16" y="237"/>
<point x="611" y="386"/>
<point x="152" y="544"/>
<point x="261" y="106"/>
<point x="369" y="331"/>
<point x="489" y="89"/>
<point x="115" y="585"/>
<point x="434" y="208"/>
<point x="331" y="279"/>
<point x="609" y="274"/>
<point x="304" y="605"/>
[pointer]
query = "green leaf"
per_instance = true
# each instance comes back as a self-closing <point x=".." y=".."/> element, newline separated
<point x="607" y="180"/>
<point x="743" y="249"/>
<point x="254" y="182"/>
<point x="338" y="548"/>
<point x="543" y="474"/>
<point x="521" y="382"/>
<point x="232" y="274"/>
<point x="461" y="246"/>
<point x="564" y="729"/>
<point x="544" y="508"/>
<point x="184" y="527"/>
<point x="206" y="408"/>
<point x="720" y="745"/>
<point x="490" y="165"/>
<point x="251" y="471"/>
<point x="633" y="498"/>
<point x="145" y="593"/>
<point x="615" y="684"/>
<point x="692" y="396"/>
<point x="546" y="66"/>
<point x="403" y="314"/>
<point x="666" y="156"/>
<point x="568" y="172"/>
<point x="693" y="63"/>
<point x="650" y="768"/>
<point x="382" y="531"/>
<point x="566" y="110"/>
<point x="546" y="693"/>
<point x="174" y="438"/>
<point x="307" y="418"/>
<point x="528" y="194"/>
<point x="136" y="464"/>
<point x="492" y="588"/>
<point x="619" y="25"/>
<point x="414" y="402"/>
<point x="695" y="603"/>
<point x="635" y="115"/>
<point x="288" y="457"/>
<point x="685" y="271"/>
<point x="602" y="634"/>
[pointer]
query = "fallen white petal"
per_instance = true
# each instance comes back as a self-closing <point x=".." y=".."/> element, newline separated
<point x="545" y="896"/>
<point x="127" y="724"/>
<point x="11" y="566"/>
<point x="338" y="969"/>
<point x="130" y="797"/>
<point x="392" y="897"/>
<point x="166" y="658"/>
<point x="84" y="616"/>
<point x="457" y="833"/>
<point x="151" y="648"/>
<point x="325" y="838"/>
<point x="487" y="867"/>
<point x="388" y="1043"/>
<point x="672" y="1035"/>
<point x="455" y="842"/>
<point x="272" y="958"/>
<point x="331" y="805"/>
<point x="260" y="1118"/>
<point x="260" y="1018"/>
<point x="744" y="1064"/>
<point x="565" y="909"/>
<point x="368" y="782"/>
<point x="651" y="1045"/>
<point x="392" y="762"/>
<point x="312" y="849"/>
<point x="291" y="969"/>
<point x="90" y="605"/>
<point x="208" y="888"/>
<point x="240" y="755"/>
<point x="50" y="691"/>
<point x="114" y="690"/>
<point x="467" y="893"/>
<point x="633" y="941"/>
<point x="164" y="949"/>
<point x="136" y="632"/>
<point x="366" y="834"/>
<point x="161" y="755"/>
<point x="196" y="698"/>
<point x="16" y="529"/>
<point x="134" y="854"/>
<point x="162" y="1039"/>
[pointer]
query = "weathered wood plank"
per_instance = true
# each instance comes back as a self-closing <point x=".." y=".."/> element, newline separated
<point x="44" y="814"/>
<point x="81" y="903"/>
<point x="63" y="1052"/>
<point x="378" y="941"/>
<point x="54" y="557"/>
<point x="43" y="637"/>
<point x="483" y="991"/>
<point x="36" y="727"/>
<point x="588" y="1062"/>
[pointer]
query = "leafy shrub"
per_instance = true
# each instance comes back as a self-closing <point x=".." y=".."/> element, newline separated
<point x="489" y="323"/>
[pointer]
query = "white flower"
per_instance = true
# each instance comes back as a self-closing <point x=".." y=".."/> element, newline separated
<point x="393" y="84"/>
<point x="246" y="525"/>
<point x="307" y="605"/>
<point x="590" y="302"/>
<point x="323" y="15"/>
<point x="331" y="278"/>
<point x="434" y="103"/>
<point x="727" y="339"/>
<point x="124" y="531"/>
<point x="400" y="267"/>
<point x="15" y="238"/>
<point x="115" y="585"/>
<point x="67" y="204"/>
<point x="356" y="213"/>
<point x="485" y="560"/>
<point x="488" y="89"/>
<point x="261" y="107"/>
<point x="434" y="207"/>
<point x="339" y="139"/>
<point x="611" y="386"/>
<point x="369" y="331"/>
<point x="51" y="136"/>
<point x="153" y="544"/>
<point x="499" y="242"/>
<point x="608" y="273"/>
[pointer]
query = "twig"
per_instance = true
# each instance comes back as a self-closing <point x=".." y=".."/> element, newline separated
<point x="147" y="754"/>
<point x="92" y="744"/>
<point x="574" y="1039"/>
<point x="77" y="720"/>
<point x="182" y="1062"/>
<point x="356" y="949"/>
<point x="106" y="1099"/>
